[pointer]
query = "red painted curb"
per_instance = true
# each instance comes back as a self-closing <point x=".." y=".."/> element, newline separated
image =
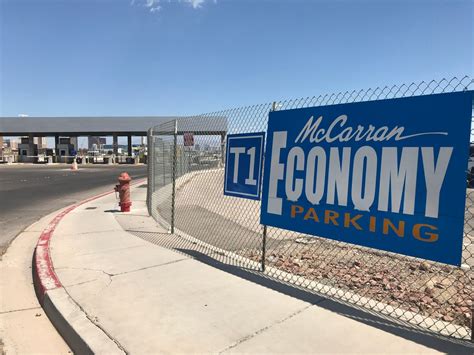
<point x="44" y="275"/>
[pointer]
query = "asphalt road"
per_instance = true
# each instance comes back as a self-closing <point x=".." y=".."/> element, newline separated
<point x="29" y="192"/>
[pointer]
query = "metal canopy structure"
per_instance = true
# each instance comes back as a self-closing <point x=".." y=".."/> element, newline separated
<point x="102" y="126"/>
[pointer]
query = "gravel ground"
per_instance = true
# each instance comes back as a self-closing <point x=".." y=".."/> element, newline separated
<point x="434" y="290"/>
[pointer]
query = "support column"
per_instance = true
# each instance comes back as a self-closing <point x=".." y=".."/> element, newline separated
<point x="74" y="141"/>
<point x="91" y="140"/>
<point x="31" y="145"/>
<point x="31" y="148"/>
<point x="56" y="143"/>
<point x="129" y="145"/>
<point x="115" y="143"/>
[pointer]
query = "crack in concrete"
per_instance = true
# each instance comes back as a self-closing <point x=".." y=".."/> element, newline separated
<point x="150" y="267"/>
<point x="20" y="310"/>
<point x="79" y="283"/>
<point x="111" y="250"/>
<point x="91" y="232"/>
<point x="111" y="275"/>
<point x="92" y="320"/>
<point x="83" y="268"/>
<point x="264" y="329"/>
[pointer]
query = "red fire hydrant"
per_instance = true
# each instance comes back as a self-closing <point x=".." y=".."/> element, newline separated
<point x="123" y="188"/>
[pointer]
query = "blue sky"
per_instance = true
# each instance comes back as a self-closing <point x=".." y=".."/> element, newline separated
<point x="149" y="57"/>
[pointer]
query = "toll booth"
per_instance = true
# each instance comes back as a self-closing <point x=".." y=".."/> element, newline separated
<point x="65" y="150"/>
<point x="27" y="150"/>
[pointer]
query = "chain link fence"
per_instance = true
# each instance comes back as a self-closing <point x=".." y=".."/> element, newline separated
<point x="185" y="195"/>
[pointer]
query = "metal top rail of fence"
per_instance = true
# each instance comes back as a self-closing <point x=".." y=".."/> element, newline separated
<point x="185" y="194"/>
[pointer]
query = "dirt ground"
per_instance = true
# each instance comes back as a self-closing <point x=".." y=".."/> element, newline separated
<point x="440" y="292"/>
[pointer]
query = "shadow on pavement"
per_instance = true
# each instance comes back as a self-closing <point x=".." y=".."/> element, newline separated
<point x="385" y="323"/>
<point x="417" y="335"/>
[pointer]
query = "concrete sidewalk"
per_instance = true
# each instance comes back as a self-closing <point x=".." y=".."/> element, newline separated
<point x="144" y="298"/>
<point x="24" y="327"/>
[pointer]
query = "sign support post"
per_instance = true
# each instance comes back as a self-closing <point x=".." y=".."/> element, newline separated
<point x="264" y="246"/>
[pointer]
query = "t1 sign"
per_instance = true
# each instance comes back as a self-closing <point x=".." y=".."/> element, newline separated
<point x="386" y="174"/>
<point x="243" y="170"/>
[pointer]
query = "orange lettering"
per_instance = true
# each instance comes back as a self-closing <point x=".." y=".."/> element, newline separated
<point x="348" y="221"/>
<point x="432" y="237"/>
<point x="400" y="231"/>
<point x="296" y="209"/>
<point x="372" y="224"/>
<point x="311" y="214"/>
<point x="331" y="216"/>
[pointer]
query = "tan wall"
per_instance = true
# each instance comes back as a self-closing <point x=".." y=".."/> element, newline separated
<point x="41" y="142"/>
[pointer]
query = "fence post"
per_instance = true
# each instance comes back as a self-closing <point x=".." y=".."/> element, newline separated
<point x="472" y="323"/>
<point x="164" y="162"/>
<point x="223" y="136"/>
<point x="264" y="245"/>
<point x="175" y="140"/>
<point x="150" y="169"/>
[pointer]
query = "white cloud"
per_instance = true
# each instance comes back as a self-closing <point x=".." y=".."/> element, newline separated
<point x="151" y="3"/>
<point x="156" y="5"/>
<point x="195" y="3"/>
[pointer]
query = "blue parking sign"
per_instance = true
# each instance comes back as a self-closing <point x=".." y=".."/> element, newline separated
<point x="386" y="174"/>
<point x="243" y="170"/>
